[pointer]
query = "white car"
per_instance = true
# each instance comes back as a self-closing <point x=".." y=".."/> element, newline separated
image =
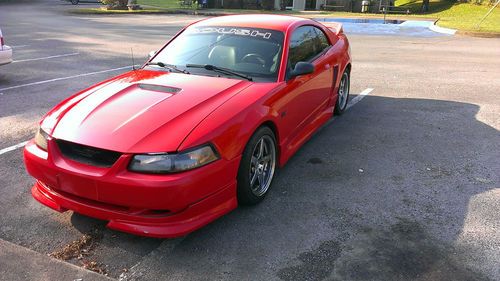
<point x="5" y="52"/>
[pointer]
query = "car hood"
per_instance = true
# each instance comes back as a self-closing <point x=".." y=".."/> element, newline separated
<point x="141" y="111"/>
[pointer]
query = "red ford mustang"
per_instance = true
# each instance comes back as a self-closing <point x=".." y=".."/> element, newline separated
<point x="202" y="127"/>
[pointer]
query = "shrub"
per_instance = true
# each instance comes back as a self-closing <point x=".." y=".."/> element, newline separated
<point x="115" y="3"/>
<point x="268" y="4"/>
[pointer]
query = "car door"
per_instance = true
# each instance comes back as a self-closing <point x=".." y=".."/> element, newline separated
<point x="307" y="95"/>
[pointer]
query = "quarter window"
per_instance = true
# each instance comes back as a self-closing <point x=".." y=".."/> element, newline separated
<point x="323" y="41"/>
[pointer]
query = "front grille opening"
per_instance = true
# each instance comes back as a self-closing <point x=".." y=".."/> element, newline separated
<point x="88" y="155"/>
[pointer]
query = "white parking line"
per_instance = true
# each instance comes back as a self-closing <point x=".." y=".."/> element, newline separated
<point x="46" y="58"/>
<point x="19" y="46"/>
<point x="358" y="98"/>
<point x="65" y="78"/>
<point x="14" y="147"/>
<point x="354" y="101"/>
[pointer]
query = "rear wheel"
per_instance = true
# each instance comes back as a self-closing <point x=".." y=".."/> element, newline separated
<point x="257" y="167"/>
<point x="74" y="2"/>
<point x="343" y="93"/>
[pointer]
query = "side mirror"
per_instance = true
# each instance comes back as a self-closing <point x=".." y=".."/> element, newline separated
<point x="151" y="54"/>
<point x="302" y="68"/>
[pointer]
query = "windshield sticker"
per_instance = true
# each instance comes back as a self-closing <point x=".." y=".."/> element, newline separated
<point x="235" y="31"/>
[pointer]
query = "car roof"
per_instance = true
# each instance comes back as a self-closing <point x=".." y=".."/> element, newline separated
<point x="266" y="21"/>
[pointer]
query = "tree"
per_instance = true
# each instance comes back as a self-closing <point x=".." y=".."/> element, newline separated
<point x="425" y="6"/>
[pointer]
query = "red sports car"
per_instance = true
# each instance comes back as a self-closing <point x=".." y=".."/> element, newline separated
<point x="200" y="128"/>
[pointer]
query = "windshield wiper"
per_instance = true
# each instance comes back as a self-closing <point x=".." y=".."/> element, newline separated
<point x="170" y="67"/>
<point x="220" y="70"/>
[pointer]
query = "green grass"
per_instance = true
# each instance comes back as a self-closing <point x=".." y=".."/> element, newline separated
<point x="100" y="11"/>
<point x="462" y="16"/>
<point x="163" y="4"/>
<point x="466" y="16"/>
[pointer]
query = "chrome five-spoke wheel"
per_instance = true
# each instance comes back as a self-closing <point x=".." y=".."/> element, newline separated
<point x="343" y="93"/>
<point x="257" y="167"/>
<point x="262" y="165"/>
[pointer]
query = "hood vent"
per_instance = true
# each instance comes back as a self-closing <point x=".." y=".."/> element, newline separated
<point x="159" y="88"/>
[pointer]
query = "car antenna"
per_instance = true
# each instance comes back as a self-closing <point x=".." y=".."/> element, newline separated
<point x="133" y="61"/>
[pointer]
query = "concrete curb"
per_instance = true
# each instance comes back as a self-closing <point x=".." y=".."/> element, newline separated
<point x="436" y="28"/>
<point x="479" y="34"/>
<point x="19" y="264"/>
<point x="443" y="30"/>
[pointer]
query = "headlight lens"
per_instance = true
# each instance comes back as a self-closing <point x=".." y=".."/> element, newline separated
<point x="173" y="163"/>
<point x="41" y="139"/>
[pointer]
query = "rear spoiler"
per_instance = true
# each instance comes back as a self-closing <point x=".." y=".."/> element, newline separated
<point x="335" y="27"/>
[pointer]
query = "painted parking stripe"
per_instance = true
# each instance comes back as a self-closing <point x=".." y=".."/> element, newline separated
<point x="14" y="147"/>
<point x="49" y="57"/>
<point x="354" y="101"/>
<point x="19" y="46"/>
<point x="359" y="97"/>
<point x="65" y="78"/>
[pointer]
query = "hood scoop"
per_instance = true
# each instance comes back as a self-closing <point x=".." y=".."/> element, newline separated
<point x="159" y="88"/>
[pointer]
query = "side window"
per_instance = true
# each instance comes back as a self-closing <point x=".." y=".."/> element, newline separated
<point x="303" y="45"/>
<point x="306" y="43"/>
<point x="322" y="40"/>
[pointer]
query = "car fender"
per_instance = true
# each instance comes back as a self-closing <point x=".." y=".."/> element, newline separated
<point x="231" y="125"/>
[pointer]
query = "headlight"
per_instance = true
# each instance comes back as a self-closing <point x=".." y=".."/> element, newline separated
<point x="173" y="163"/>
<point x="41" y="139"/>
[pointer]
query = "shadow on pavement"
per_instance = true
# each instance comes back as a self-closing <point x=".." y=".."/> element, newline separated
<point x="399" y="219"/>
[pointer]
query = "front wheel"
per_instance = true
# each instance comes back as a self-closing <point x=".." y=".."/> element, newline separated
<point x="74" y="2"/>
<point x="343" y="93"/>
<point x="257" y="167"/>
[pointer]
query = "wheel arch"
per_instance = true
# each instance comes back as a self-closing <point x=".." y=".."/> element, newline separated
<point x="271" y="125"/>
<point x="348" y="68"/>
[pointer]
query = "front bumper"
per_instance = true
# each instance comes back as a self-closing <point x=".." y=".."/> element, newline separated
<point x="5" y="55"/>
<point x="163" y="206"/>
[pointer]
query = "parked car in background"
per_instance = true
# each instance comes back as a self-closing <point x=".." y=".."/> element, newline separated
<point x="5" y="51"/>
<point x="202" y="127"/>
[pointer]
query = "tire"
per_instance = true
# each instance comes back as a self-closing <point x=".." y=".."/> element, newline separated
<point x="257" y="167"/>
<point x="74" y="2"/>
<point x="343" y="93"/>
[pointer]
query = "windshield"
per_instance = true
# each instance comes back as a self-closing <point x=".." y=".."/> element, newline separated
<point x="253" y="52"/>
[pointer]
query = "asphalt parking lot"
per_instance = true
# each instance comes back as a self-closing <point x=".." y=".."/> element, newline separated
<point x="404" y="186"/>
